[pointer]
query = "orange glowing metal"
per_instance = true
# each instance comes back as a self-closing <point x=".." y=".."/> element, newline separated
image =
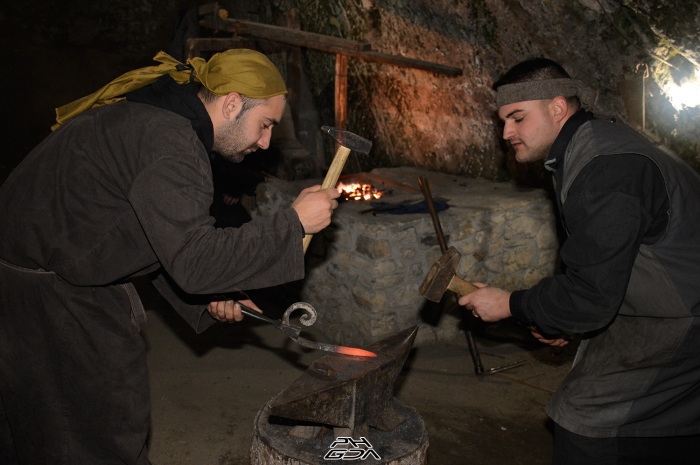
<point x="355" y="352"/>
<point x="358" y="191"/>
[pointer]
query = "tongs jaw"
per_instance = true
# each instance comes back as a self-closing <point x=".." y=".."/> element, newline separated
<point x="285" y="327"/>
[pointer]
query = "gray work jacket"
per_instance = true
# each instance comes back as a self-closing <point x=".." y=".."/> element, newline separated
<point x="640" y="376"/>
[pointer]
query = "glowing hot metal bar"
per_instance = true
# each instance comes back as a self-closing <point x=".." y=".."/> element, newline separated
<point x="307" y="320"/>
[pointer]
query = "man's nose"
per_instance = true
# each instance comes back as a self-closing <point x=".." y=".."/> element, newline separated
<point x="264" y="141"/>
<point x="508" y="132"/>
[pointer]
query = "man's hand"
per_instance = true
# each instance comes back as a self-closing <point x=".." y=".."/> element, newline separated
<point x="315" y="206"/>
<point x="552" y="342"/>
<point x="488" y="303"/>
<point x="226" y="312"/>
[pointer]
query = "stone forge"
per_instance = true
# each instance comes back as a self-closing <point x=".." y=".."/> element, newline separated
<point x="364" y="272"/>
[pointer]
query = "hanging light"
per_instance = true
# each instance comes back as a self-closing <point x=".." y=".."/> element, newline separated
<point x="687" y="95"/>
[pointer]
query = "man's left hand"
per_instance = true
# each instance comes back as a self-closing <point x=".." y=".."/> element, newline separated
<point x="225" y="310"/>
<point x="488" y="303"/>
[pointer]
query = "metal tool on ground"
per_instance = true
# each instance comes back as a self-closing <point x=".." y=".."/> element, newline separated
<point x="443" y="277"/>
<point x="308" y="319"/>
<point x="347" y="141"/>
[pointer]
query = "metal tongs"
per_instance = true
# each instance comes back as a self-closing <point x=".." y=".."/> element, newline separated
<point x="289" y="330"/>
<point x="308" y="319"/>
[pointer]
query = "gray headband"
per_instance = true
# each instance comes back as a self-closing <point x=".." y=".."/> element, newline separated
<point x="545" y="89"/>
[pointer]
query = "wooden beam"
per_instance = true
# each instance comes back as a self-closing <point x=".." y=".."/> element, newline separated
<point x="341" y="91"/>
<point x="195" y="46"/>
<point x="312" y="41"/>
<point x="281" y="34"/>
<point x="404" y="62"/>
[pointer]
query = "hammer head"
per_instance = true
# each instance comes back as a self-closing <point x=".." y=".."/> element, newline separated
<point x="348" y="139"/>
<point x="440" y="275"/>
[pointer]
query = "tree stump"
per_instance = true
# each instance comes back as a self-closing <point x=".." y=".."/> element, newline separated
<point x="273" y="445"/>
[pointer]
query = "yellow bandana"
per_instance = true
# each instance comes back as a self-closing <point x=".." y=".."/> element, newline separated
<point x="247" y="72"/>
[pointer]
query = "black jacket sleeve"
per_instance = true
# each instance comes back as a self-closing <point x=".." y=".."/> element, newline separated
<point x="616" y="203"/>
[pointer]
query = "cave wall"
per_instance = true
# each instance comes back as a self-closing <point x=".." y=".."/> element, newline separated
<point x="58" y="51"/>
<point x="449" y="124"/>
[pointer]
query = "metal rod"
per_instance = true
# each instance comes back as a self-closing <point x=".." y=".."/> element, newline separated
<point x="474" y="351"/>
<point x="425" y="188"/>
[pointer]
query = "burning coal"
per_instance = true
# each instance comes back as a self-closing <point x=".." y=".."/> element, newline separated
<point x="356" y="191"/>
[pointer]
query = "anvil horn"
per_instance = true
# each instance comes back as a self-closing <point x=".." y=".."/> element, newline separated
<point x="349" y="392"/>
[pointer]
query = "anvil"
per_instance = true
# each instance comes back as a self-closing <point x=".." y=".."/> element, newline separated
<point x="349" y="392"/>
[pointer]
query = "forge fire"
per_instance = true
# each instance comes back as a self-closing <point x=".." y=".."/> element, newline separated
<point x="357" y="191"/>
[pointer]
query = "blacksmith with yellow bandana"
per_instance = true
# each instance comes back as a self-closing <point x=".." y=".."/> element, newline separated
<point x="122" y="188"/>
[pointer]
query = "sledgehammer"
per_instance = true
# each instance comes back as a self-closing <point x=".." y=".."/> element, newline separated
<point x="347" y="141"/>
<point x="442" y="277"/>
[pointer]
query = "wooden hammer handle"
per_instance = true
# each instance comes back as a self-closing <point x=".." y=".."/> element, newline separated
<point x="341" y="155"/>
<point x="460" y="286"/>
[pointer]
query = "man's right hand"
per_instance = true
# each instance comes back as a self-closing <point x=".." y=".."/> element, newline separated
<point x="561" y="342"/>
<point x="315" y="206"/>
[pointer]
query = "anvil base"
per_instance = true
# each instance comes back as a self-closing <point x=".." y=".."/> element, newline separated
<point x="272" y="444"/>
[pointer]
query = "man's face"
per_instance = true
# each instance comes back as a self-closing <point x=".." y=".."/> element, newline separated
<point x="249" y="131"/>
<point x="530" y="128"/>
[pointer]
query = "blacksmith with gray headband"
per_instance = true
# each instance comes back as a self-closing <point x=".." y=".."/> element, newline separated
<point x="628" y="286"/>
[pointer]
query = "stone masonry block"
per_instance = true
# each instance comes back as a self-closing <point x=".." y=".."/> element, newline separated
<point x="465" y="264"/>
<point x="406" y="236"/>
<point x="522" y="227"/>
<point x="498" y="217"/>
<point x="494" y="263"/>
<point x="408" y="254"/>
<point x="373" y="248"/>
<point x="518" y="258"/>
<point x="383" y="325"/>
<point x="460" y="230"/>
<point x="372" y="228"/>
<point x="372" y="301"/>
<point x="547" y="236"/>
<point x="380" y="282"/>
<point x="534" y="276"/>
<point x="407" y="295"/>
<point x="546" y="257"/>
<point x="337" y="272"/>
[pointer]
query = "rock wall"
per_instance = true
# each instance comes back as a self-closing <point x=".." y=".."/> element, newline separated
<point x="58" y="51"/>
<point x="449" y="124"/>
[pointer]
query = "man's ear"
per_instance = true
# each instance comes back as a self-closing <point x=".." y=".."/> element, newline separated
<point x="559" y="108"/>
<point x="232" y="105"/>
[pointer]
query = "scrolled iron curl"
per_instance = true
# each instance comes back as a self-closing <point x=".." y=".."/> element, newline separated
<point x="307" y="319"/>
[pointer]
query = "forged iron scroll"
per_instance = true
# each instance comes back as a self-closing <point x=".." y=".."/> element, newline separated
<point x="307" y="319"/>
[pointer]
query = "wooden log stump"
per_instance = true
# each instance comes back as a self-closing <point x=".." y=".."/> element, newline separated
<point x="273" y="445"/>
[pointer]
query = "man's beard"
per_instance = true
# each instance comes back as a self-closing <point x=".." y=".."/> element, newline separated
<point x="230" y="142"/>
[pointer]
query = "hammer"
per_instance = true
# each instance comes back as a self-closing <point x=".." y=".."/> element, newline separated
<point x="442" y="277"/>
<point x="347" y="141"/>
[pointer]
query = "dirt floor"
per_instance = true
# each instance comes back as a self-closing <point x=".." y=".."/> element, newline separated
<point x="206" y="390"/>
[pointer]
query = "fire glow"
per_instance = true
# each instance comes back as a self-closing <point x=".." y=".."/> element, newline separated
<point x="358" y="191"/>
